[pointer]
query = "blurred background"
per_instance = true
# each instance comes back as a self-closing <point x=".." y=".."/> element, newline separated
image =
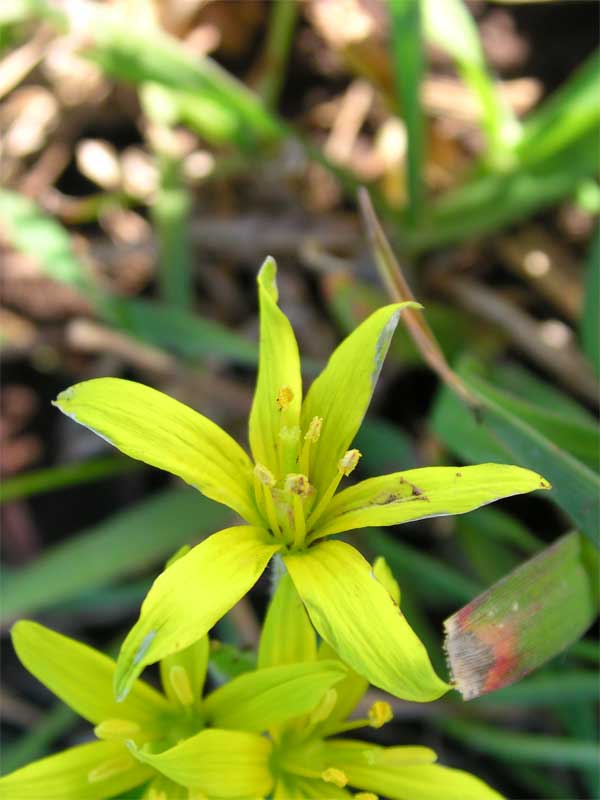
<point x="152" y="155"/>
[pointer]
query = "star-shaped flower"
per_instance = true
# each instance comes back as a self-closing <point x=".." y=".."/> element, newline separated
<point x="182" y="745"/>
<point x="310" y="759"/>
<point x="288" y="496"/>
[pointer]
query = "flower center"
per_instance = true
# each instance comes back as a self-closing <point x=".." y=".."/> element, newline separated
<point x="288" y="501"/>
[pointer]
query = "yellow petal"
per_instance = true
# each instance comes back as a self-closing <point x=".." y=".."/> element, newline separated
<point x="154" y="428"/>
<point x="278" y="394"/>
<point x="355" y="614"/>
<point x="223" y="764"/>
<point x="342" y="392"/>
<point x="288" y="636"/>
<point x="82" y="677"/>
<point x="260" y="699"/>
<point x="66" y="775"/>
<point x="191" y="595"/>
<point x="419" y="493"/>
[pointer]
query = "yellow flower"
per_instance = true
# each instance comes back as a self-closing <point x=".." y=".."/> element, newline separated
<point x="309" y="758"/>
<point x="183" y="745"/>
<point x="301" y="451"/>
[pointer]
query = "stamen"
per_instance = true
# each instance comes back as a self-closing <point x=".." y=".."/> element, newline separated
<point x="349" y="461"/>
<point x="284" y="397"/>
<point x="108" y="769"/>
<point x="180" y="682"/>
<point x="298" y="486"/>
<point x="380" y="713"/>
<point x="365" y="796"/>
<point x="264" y="481"/>
<point x="310" y="437"/>
<point x="116" y="729"/>
<point x="335" y="776"/>
<point x="345" y="466"/>
<point x="196" y="794"/>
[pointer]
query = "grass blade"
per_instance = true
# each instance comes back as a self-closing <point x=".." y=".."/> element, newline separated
<point x="525" y="619"/>
<point x="408" y="62"/>
<point x="126" y="543"/>
<point x="449" y="25"/>
<point x="590" y="323"/>
<point x="522" y="747"/>
<point x="52" y="478"/>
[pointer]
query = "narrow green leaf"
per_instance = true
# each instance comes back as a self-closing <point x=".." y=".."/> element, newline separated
<point x="525" y="619"/>
<point x="570" y="113"/>
<point x="36" y="741"/>
<point x="439" y="583"/>
<point x="590" y="323"/>
<point x="500" y="435"/>
<point x="52" y="478"/>
<point x="490" y="201"/>
<point x="40" y="237"/>
<point x="171" y="215"/>
<point x="408" y="62"/>
<point x="188" y="336"/>
<point x="449" y="25"/>
<point x="522" y="747"/>
<point x="111" y="550"/>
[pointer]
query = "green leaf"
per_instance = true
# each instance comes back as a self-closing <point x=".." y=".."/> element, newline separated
<point x="223" y="764"/>
<point x="65" y="776"/>
<point x="408" y="61"/>
<point x="40" y="237"/>
<point x="489" y="201"/>
<point x="436" y="581"/>
<point x="500" y="434"/>
<point x="450" y="25"/>
<point x="259" y="700"/>
<point x="343" y="599"/>
<point x="512" y="746"/>
<point x="421" y="493"/>
<point x="278" y="371"/>
<point x="151" y="426"/>
<point x="150" y="55"/>
<point x="191" y="595"/>
<point x="568" y="114"/>
<point x="188" y="336"/>
<point x="590" y="323"/>
<point x="52" y="478"/>
<point x="116" y="548"/>
<point x="82" y="677"/>
<point x="525" y="619"/>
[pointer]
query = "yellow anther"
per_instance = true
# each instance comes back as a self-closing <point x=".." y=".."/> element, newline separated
<point x="116" y="729"/>
<point x="298" y="484"/>
<point x="284" y="397"/>
<point x="107" y="769"/>
<point x="264" y="475"/>
<point x="180" y="681"/>
<point x="157" y="794"/>
<point x="335" y="776"/>
<point x="380" y="713"/>
<point x="365" y="796"/>
<point x="349" y="461"/>
<point x="314" y="430"/>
